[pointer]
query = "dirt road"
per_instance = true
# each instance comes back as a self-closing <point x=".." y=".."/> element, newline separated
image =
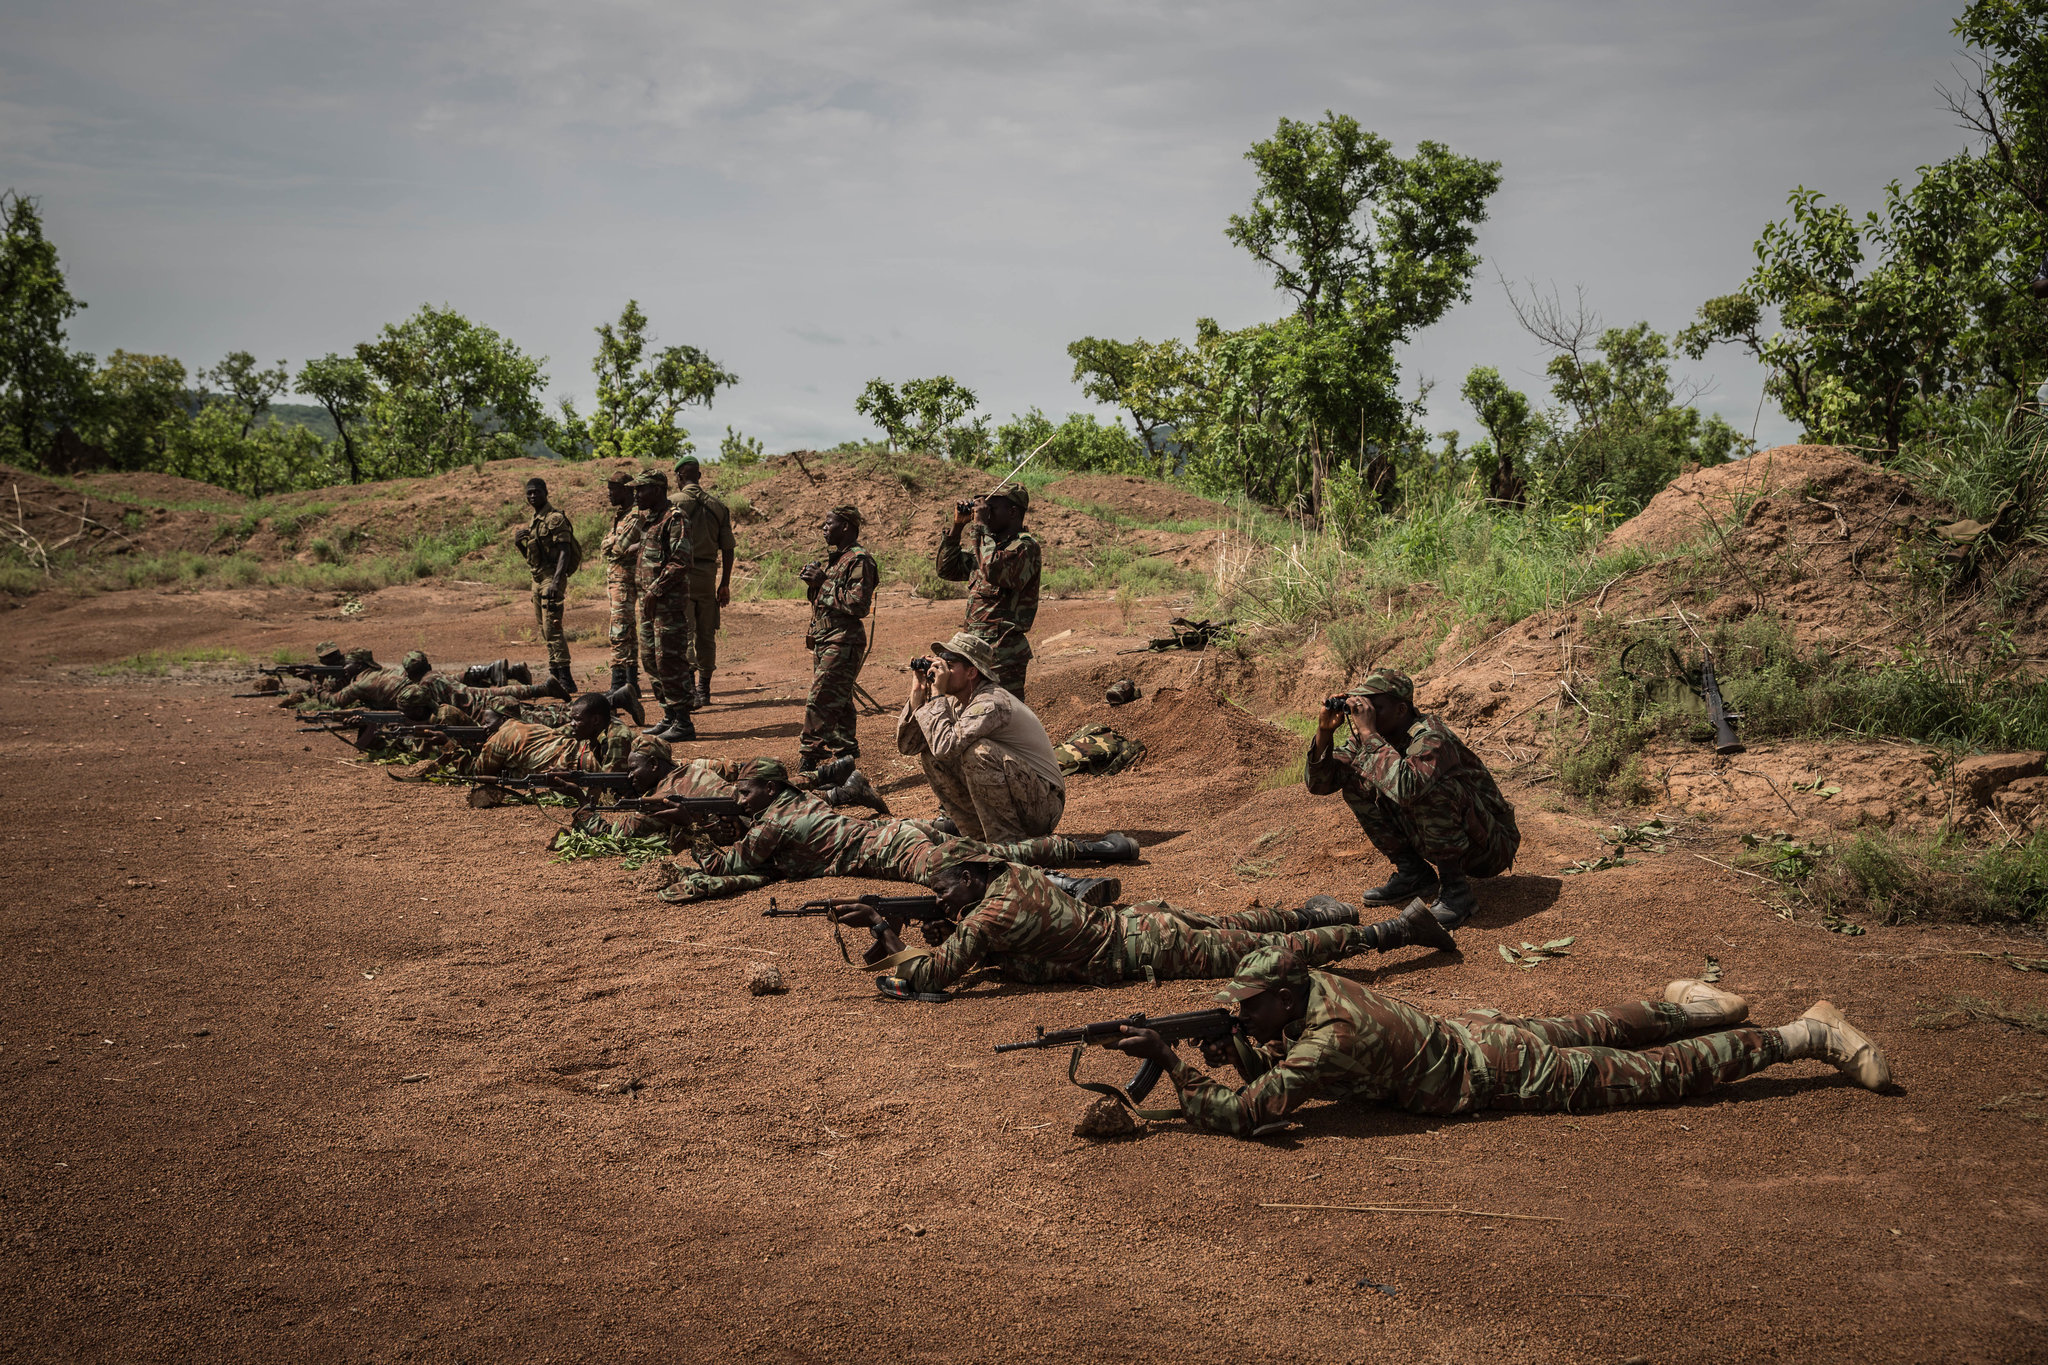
<point x="302" y="1063"/>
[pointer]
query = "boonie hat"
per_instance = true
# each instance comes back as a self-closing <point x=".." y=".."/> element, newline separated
<point x="1015" y="492"/>
<point x="972" y="648"/>
<point x="1384" y="681"/>
<point x="1262" y="971"/>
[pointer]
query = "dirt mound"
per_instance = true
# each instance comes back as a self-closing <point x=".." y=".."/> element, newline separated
<point x="1692" y="504"/>
<point x="157" y="489"/>
<point x="45" y="518"/>
<point x="1139" y="499"/>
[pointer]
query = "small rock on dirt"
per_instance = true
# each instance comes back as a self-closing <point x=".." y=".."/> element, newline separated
<point x="764" y="978"/>
<point x="1986" y="773"/>
<point x="1105" y="1119"/>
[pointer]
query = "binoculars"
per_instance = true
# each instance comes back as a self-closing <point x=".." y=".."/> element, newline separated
<point x="1336" y="703"/>
<point x="966" y="506"/>
<point x="921" y="665"/>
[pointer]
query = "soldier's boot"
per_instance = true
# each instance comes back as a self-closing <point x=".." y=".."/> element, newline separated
<point x="478" y="675"/>
<point x="559" y="687"/>
<point x="833" y="771"/>
<point x="704" y="689"/>
<point x="677" y="726"/>
<point x="1110" y="848"/>
<point x="857" y="791"/>
<point x="1322" y="911"/>
<point x="518" y="673"/>
<point x="626" y="698"/>
<point x="1455" y="898"/>
<point x="1412" y="877"/>
<point x="1088" y="890"/>
<point x="566" y="676"/>
<point x="896" y="988"/>
<point x="944" y="825"/>
<point x="1822" y="1032"/>
<point x="1414" y="927"/>
<point x="1707" y="1005"/>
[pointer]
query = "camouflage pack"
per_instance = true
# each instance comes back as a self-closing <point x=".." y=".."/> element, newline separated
<point x="1097" y="751"/>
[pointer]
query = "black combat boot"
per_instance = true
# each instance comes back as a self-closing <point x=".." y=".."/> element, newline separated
<point x="564" y="674"/>
<point x="1455" y="899"/>
<point x="556" y="686"/>
<point x="626" y="697"/>
<point x="832" y="771"/>
<point x="477" y="675"/>
<point x="704" y="688"/>
<point x="1110" y="848"/>
<point x="1412" y="877"/>
<point x="678" y="726"/>
<point x="1088" y="890"/>
<point x="515" y="673"/>
<point x="944" y="825"/>
<point x="1415" y="927"/>
<point x="856" y="790"/>
<point x="1322" y="911"/>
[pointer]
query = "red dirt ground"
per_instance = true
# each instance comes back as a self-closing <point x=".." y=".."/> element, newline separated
<point x="304" y="1063"/>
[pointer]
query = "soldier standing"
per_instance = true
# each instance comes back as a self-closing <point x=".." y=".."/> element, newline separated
<point x="664" y="583"/>
<point x="842" y="589"/>
<point x="1001" y="574"/>
<point x="549" y="545"/>
<point x="1421" y="796"/>
<point x="710" y="579"/>
<point x="621" y="551"/>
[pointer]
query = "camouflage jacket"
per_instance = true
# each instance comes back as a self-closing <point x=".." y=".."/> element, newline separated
<point x="551" y="534"/>
<point x="1353" y="1044"/>
<point x="376" y="691"/>
<point x="843" y="597"/>
<point x="521" y="747"/>
<point x="1001" y="579"/>
<point x="1436" y="759"/>
<point x="1030" y="930"/>
<point x="698" y="777"/>
<point x="621" y="545"/>
<point x="799" y="837"/>
<point x="665" y="553"/>
<point x="710" y="536"/>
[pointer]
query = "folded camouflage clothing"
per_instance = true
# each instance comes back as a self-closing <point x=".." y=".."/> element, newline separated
<point x="1097" y="751"/>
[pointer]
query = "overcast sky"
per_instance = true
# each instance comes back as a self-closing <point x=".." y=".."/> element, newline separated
<point x="822" y="193"/>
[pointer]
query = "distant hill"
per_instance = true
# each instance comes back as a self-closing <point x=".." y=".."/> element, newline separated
<point x="309" y="415"/>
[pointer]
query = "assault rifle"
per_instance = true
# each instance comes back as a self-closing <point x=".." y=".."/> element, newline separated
<point x="1202" y="1026"/>
<point x="1192" y="636"/>
<point x="309" y="672"/>
<point x="354" y="719"/>
<point x="892" y="909"/>
<point x="586" y="784"/>
<point x="1725" y="741"/>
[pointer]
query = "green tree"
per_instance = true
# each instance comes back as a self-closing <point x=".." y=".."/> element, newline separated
<point x="933" y="415"/>
<point x="641" y="392"/>
<point x="42" y="385"/>
<point x="1511" y="425"/>
<point x="451" y="392"/>
<point x="140" y="402"/>
<point x="343" y="385"/>
<point x="1082" y="441"/>
<point x="1148" y="380"/>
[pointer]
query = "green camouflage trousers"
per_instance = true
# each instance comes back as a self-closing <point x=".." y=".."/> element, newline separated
<point x="624" y="593"/>
<point x="665" y="645"/>
<point x="828" y="711"/>
<point x="1439" y="825"/>
<point x="1166" y="947"/>
<point x="704" y="621"/>
<point x="1608" y="1059"/>
<point x="547" y="621"/>
<point x="1012" y="649"/>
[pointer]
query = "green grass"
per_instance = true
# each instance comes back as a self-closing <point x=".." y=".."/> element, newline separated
<point x="1112" y="567"/>
<point x="1895" y="879"/>
<point x="154" y="663"/>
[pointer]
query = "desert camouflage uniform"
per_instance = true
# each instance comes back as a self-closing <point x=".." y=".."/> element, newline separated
<point x="621" y="551"/>
<point x="1002" y="594"/>
<point x="551" y="534"/>
<point x="665" y="634"/>
<point x="1355" y="1044"/>
<point x="1438" y="799"/>
<point x="799" y="837"/>
<point x="520" y="748"/>
<point x="1032" y="931"/>
<point x="838" y="641"/>
<point x="710" y="538"/>
<point x="374" y="691"/>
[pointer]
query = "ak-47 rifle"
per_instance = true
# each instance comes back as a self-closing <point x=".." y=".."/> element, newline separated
<point x="378" y="727"/>
<point x="1722" y="719"/>
<point x="308" y="672"/>
<point x="1204" y="1026"/>
<point x="354" y="719"/>
<point x="1192" y="636"/>
<point x="897" y="910"/>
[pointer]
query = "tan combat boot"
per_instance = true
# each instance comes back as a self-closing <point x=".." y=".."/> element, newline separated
<point x="1706" y="1005"/>
<point x="1823" y="1032"/>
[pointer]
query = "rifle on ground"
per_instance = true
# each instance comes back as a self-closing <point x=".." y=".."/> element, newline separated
<point x="586" y="784"/>
<point x="1203" y="1026"/>
<point x="308" y="672"/>
<point x="1192" y="636"/>
<point x="331" y="721"/>
<point x="1725" y="741"/>
<point x="896" y="909"/>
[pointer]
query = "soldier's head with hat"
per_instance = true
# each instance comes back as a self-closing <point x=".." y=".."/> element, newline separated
<point x="618" y="488"/>
<point x="1270" y="989"/>
<point x="956" y="667"/>
<point x="760" y="783"/>
<point x="328" y="653"/>
<point x="1000" y="510"/>
<point x="1382" y="702"/>
<point x="842" y="525"/>
<point x="415" y="664"/>
<point x="650" y="491"/>
<point x="688" y="470"/>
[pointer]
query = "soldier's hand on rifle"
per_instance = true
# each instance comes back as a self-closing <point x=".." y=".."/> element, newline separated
<point x="855" y="915"/>
<point x="1216" y="1052"/>
<point x="1141" y="1043"/>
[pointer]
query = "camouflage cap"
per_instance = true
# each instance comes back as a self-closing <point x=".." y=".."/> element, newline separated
<point x="972" y="648"/>
<point x="414" y="658"/>
<point x="768" y="769"/>
<point x="644" y="743"/>
<point x="1015" y="492"/>
<point x="416" y="702"/>
<point x="625" y="476"/>
<point x="848" y="511"/>
<point x="1382" y="681"/>
<point x="1261" y="971"/>
<point x="653" y="478"/>
<point x="327" y="652"/>
<point x="361" y="658"/>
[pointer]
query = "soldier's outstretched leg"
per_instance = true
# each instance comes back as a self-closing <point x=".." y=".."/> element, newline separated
<point x="828" y="712"/>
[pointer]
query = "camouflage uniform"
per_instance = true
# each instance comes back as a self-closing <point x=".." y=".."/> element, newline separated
<point x="621" y="551"/>
<point x="1032" y="931"/>
<point x="799" y="837"/>
<point x="376" y="691"/>
<point x="838" y="641"/>
<point x="448" y="693"/>
<point x="1437" y="799"/>
<point x="551" y="535"/>
<point x="665" y="634"/>
<point x="989" y="761"/>
<point x="1355" y="1044"/>
<point x="1002" y="594"/>
<point x="699" y="777"/>
<point x="521" y="747"/>
<point x="710" y="539"/>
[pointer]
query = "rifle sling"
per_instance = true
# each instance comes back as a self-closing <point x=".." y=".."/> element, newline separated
<point x="1115" y="1092"/>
